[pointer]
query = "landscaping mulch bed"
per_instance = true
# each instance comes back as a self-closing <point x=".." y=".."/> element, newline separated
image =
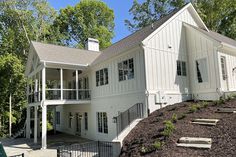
<point x="140" y="140"/>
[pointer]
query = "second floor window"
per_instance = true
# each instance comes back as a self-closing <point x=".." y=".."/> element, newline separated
<point x="126" y="69"/>
<point x="102" y="77"/>
<point x="181" y="68"/>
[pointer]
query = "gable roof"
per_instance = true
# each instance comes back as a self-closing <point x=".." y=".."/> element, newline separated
<point x="62" y="54"/>
<point x="133" y="39"/>
<point x="216" y="36"/>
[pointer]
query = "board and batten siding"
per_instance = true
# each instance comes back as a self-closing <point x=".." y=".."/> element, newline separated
<point x="230" y="57"/>
<point x="116" y="87"/>
<point x="161" y="54"/>
<point x="202" y="47"/>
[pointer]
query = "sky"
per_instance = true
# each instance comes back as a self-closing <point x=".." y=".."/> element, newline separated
<point x="121" y="11"/>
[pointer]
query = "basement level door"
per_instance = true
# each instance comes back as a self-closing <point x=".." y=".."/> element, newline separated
<point x="78" y="118"/>
<point x="224" y="73"/>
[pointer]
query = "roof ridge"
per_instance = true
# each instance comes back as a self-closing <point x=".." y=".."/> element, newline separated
<point x="64" y="46"/>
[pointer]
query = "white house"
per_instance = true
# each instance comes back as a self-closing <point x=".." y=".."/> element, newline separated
<point x="173" y="60"/>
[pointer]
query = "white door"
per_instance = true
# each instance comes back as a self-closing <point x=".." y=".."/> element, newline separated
<point x="224" y="73"/>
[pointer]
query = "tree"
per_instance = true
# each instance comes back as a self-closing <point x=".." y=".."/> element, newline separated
<point x="218" y="15"/>
<point x="11" y="68"/>
<point x="21" y="21"/>
<point x="149" y="11"/>
<point x="89" y="18"/>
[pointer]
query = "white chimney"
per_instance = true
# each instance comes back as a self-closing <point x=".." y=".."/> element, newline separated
<point x="92" y="44"/>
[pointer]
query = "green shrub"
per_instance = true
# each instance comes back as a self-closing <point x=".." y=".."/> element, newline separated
<point x="194" y="108"/>
<point x="144" y="150"/>
<point x="174" y="118"/>
<point x="169" y="128"/>
<point x="157" y="145"/>
<point x="182" y="116"/>
<point x="204" y="104"/>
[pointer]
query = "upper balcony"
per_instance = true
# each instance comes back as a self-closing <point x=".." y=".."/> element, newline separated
<point x="61" y="86"/>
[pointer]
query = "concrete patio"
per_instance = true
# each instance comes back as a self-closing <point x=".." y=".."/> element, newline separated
<point x="27" y="146"/>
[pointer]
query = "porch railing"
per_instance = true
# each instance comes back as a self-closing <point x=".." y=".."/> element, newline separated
<point x="55" y="94"/>
<point x="90" y="149"/>
<point x="124" y="119"/>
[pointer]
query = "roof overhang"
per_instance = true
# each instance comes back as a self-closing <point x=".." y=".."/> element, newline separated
<point x="54" y="64"/>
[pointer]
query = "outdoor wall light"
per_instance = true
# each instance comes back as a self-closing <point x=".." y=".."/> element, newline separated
<point x="114" y="119"/>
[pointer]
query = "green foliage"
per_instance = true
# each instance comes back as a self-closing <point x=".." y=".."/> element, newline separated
<point x="89" y="18"/>
<point x="169" y="128"/>
<point x="21" y="21"/>
<point x="221" y="20"/>
<point x="12" y="69"/>
<point x="194" y="108"/>
<point x="204" y="104"/>
<point x="174" y="118"/>
<point x="158" y="145"/>
<point x="149" y="11"/>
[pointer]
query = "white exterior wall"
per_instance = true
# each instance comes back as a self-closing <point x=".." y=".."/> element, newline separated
<point x="116" y="96"/>
<point x="230" y="56"/>
<point x="160" y="59"/>
<point x="199" y="47"/>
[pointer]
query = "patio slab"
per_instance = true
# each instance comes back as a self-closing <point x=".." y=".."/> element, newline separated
<point x="23" y="145"/>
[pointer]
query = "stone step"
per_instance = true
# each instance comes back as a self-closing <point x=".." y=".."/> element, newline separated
<point x="226" y="110"/>
<point x="195" y="142"/>
<point x="209" y="122"/>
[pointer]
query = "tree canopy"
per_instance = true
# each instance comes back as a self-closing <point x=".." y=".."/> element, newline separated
<point x="89" y="18"/>
<point x="218" y="15"/>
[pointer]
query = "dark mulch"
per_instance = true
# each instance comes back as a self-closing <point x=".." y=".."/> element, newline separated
<point x="149" y="130"/>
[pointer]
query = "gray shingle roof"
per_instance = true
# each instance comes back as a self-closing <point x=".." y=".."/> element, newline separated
<point x="49" y="52"/>
<point x="133" y="39"/>
<point x="216" y="36"/>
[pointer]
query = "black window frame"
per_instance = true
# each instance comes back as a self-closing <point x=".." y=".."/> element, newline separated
<point x="181" y="68"/>
<point x="86" y="120"/>
<point x="102" y="77"/>
<point x="126" y="69"/>
<point x="58" y="118"/>
<point x="102" y="122"/>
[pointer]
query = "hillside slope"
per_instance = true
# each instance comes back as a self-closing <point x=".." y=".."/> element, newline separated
<point x="147" y="138"/>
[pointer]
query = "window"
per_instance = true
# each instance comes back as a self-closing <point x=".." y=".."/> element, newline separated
<point x="181" y="68"/>
<point x="102" y="77"/>
<point x="70" y="119"/>
<point x="126" y="70"/>
<point x="58" y="118"/>
<point x="201" y="67"/>
<point x="223" y="67"/>
<point x="102" y="122"/>
<point x="86" y="121"/>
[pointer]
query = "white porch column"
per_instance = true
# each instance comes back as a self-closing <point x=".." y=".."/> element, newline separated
<point x="43" y="83"/>
<point x="35" y="124"/>
<point x="44" y="126"/>
<point x="44" y="110"/>
<point x="77" y="85"/>
<point x="54" y="120"/>
<point x="61" y="77"/>
<point x="28" y="123"/>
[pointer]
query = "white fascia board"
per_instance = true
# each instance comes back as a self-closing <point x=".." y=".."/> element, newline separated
<point x="64" y="63"/>
<point x="228" y="46"/>
<point x="199" y="18"/>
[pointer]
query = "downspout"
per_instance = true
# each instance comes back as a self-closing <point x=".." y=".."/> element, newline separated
<point x="145" y="80"/>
